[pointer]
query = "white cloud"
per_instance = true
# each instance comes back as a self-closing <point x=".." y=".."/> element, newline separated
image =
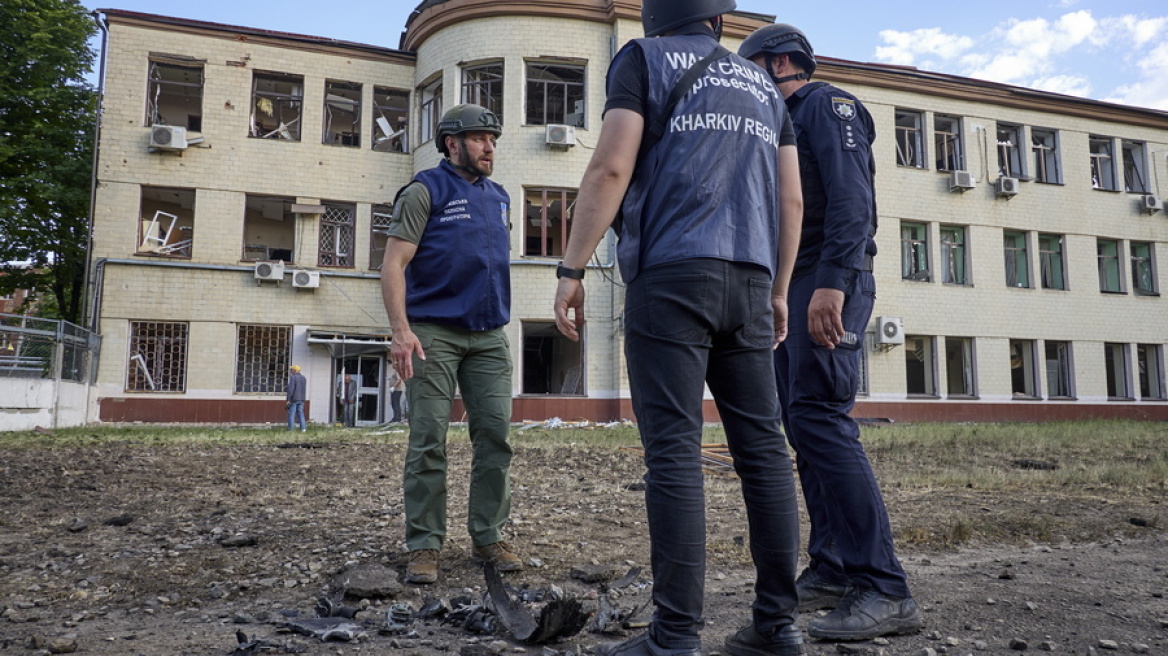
<point x="1140" y="31"/>
<point x="905" y="48"/>
<point x="1151" y="89"/>
<point x="1071" y="85"/>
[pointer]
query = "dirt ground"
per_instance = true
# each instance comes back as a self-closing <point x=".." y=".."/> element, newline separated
<point x="126" y="550"/>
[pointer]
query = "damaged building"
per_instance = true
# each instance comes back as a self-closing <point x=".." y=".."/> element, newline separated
<point x="245" y="178"/>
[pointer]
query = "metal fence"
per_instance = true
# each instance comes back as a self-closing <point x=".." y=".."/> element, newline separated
<point x="46" y="348"/>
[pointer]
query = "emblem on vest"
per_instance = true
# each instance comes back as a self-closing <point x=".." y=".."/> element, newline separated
<point x="845" y="108"/>
<point x="503" y="212"/>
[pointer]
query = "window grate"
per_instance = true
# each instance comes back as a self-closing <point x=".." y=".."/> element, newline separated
<point x="158" y="357"/>
<point x="262" y="357"/>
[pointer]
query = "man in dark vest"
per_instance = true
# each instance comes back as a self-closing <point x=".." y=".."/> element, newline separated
<point x="446" y="283"/>
<point x="709" y="234"/>
<point x="854" y="568"/>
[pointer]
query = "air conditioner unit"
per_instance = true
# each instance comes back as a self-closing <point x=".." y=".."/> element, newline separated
<point x="306" y="279"/>
<point x="269" y="271"/>
<point x="168" y="137"/>
<point x="1151" y="204"/>
<point x="561" y="135"/>
<point x="889" y="330"/>
<point x="1006" y="187"/>
<point x="961" y="180"/>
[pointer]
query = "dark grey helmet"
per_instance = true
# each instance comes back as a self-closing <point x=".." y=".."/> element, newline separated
<point x="466" y="118"/>
<point x="660" y="16"/>
<point x="780" y="39"/>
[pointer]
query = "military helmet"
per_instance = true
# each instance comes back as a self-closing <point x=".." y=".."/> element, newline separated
<point x="660" y="16"/>
<point x="780" y="39"/>
<point x="466" y="118"/>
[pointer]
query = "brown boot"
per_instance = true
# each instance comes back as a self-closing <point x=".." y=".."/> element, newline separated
<point x="501" y="555"/>
<point x="423" y="567"/>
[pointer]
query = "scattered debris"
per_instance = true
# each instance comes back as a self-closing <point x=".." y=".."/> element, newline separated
<point x="239" y="540"/>
<point x="326" y="607"/>
<point x="326" y="628"/>
<point x="560" y="618"/>
<point x="120" y="520"/>
<point x="625" y="581"/>
<point x="366" y="581"/>
<point x="398" y="618"/>
<point x="1040" y="465"/>
<point x="251" y="647"/>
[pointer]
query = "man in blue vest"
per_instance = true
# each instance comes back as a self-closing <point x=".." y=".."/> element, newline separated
<point x="709" y="233"/>
<point x="446" y="283"/>
<point x="854" y="568"/>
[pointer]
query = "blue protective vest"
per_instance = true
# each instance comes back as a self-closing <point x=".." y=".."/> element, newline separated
<point x="461" y="272"/>
<point x="708" y="189"/>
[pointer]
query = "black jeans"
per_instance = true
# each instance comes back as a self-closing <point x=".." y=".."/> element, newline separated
<point x="689" y="323"/>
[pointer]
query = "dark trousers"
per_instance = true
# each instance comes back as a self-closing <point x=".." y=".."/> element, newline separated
<point x="709" y="321"/>
<point x="850" y="538"/>
<point x="395" y="403"/>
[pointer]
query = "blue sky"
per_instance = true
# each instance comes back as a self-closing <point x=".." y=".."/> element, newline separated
<point x="1115" y="51"/>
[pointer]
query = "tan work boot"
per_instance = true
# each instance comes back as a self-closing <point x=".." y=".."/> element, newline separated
<point x="423" y="567"/>
<point x="501" y="555"/>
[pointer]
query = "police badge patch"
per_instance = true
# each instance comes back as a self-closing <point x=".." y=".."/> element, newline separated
<point x="503" y="213"/>
<point x="845" y="108"/>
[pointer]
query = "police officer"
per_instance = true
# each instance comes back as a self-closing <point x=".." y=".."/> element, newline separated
<point x="707" y="261"/>
<point x="853" y="568"/>
<point x="446" y="284"/>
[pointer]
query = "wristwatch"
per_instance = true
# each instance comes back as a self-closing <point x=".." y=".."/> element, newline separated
<point x="564" y="272"/>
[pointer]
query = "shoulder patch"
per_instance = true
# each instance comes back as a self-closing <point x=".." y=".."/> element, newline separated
<point x="844" y="108"/>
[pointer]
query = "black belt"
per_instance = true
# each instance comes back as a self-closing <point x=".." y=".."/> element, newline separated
<point x="866" y="264"/>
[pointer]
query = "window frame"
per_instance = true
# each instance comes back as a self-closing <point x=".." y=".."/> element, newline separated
<point x="429" y="109"/>
<point x="1143" y="267"/>
<point x="1062" y="377"/>
<point x="914" y="252"/>
<point x="1017" y="257"/>
<point x="927" y="368"/>
<point x="964" y="348"/>
<point x="380" y="217"/>
<point x="549" y="245"/>
<point x="1023" y="357"/>
<point x="949" y="143"/>
<point x="339" y="219"/>
<point x="572" y="91"/>
<point x="392" y="139"/>
<point x="1051" y="261"/>
<point x="172" y="220"/>
<point x="563" y="352"/>
<point x="159" y="87"/>
<point x="1046" y="155"/>
<point x="1102" y="153"/>
<point x="1011" y="163"/>
<point x="1117" y="364"/>
<point x="277" y="103"/>
<point x="1150" y="372"/>
<point x="338" y="98"/>
<point x="1109" y="265"/>
<point x="1135" y="166"/>
<point x="910" y="138"/>
<point x="954" y="256"/>
<point x="485" y="92"/>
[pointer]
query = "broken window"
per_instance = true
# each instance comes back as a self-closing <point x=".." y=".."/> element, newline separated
<point x="914" y="252"/>
<point x="175" y="93"/>
<point x="959" y="367"/>
<point x="1044" y="144"/>
<point x="549" y="221"/>
<point x="1150" y="365"/>
<point x="157" y="357"/>
<point x="430" y="109"/>
<point x="166" y="222"/>
<point x="1135" y="167"/>
<point x="1143" y="268"/>
<point x="1102" y="163"/>
<point x="552" y="363"/>
<point x="1023" y="374"/>
<point x="1009" y="151"/>
<point x="1115" y="358"/>
<point x="337" y="229"/>
<point x="483" y="85"/>
<point x="909" y="139"/>
<point x="378" y="234"/>
<point x="276" y="105"/>
<point x="920" y="366"/>
<point x="342" y="113"/>
<point x="953" y="255"/>
<point x="555" y="94"/>
<point x="1059" y="370"/>
<point x="1017" y="259"/>
<point x="947" y="143"/>
<point x="269" y="228"/>
<point x="1110" y="278"/>
<point x="1051" y="262"/>
<point x="262" y="357"/>
<point x="391" y="120"/>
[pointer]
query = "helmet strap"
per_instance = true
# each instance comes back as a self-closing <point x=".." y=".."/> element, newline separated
<point x="719" y="23"/>
<point x="770" y="58"/>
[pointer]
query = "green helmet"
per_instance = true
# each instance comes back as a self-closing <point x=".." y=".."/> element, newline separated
<point x="660" y="16"/>
<point x="466" y="118"/>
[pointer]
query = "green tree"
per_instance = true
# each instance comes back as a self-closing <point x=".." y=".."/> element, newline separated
<point x="47" y="118"/>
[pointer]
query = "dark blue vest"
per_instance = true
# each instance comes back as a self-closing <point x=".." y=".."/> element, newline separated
<point x="461" y="273"/>
<point x="709" y="188"/>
